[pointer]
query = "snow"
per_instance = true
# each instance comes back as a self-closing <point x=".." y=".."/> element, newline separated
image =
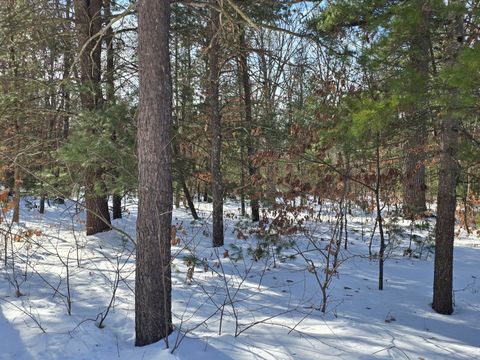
<point x="272" y="310"/>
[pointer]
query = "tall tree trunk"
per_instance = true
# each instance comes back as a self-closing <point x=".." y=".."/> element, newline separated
<point x="110" y="82"/>
<point x="67" y="66"/>
<point x="268" y="91"/>
<point x="414" y="187"/>
<point x="381" y="252"/>
<point x="242" y="142"/>
<point x="213" y="93"/>
<point x="153" y="289"/>
<point x="448" y="175"/>
<point x="247" y="94"/>
<point x="109" y="39"/>
<point x="88" y="24"/>
<point x="13" y="63"/>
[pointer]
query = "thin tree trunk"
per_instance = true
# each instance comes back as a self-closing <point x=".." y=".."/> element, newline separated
<point x="16" y="194"/>
<point x="217" y="183"/>
<point x="241" y="141"/>
<point x="190" y="203"/>
<point x="181" y="182"/>
<point x="447" y="181"/>
<point x="247" y="94"/>
<point x="41" y="209"/>
<point x="177" y="195"/>
<point x="67" y="65"/>
<point x="110" y="82"/>
<point x="153" y="287"/>
<point x="242" y="180"/>
<point x="17" y="146"/>
<point x="381" y="253"/>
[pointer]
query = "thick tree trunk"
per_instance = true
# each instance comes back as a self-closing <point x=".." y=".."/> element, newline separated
<point x="153" y="316"/>
<point x="247" y="94"/>
<point x="414" y="200"/>
<point x="213" y="93"/>
<point x="88" y="23"/>
<point x="447" y="181"/>
<point x="98" y="217"/>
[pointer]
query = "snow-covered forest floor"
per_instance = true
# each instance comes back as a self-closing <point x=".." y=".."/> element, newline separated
<point x="227" y="305"/>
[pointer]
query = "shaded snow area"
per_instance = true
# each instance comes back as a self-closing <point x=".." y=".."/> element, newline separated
<point x="237" y="302"/>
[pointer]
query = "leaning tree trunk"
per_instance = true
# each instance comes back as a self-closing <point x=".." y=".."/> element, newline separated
<point x="414" y="186"/>
<point x="447" y="181"/>
<point x="181" y="182"/>
<point x="88" y="23"/>
<point x="153" y="288"/>
<point x="217" y="185"/>
<point x="190" y="203"/>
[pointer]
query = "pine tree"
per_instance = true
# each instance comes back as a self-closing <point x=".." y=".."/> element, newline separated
<point x="153" y="317"/>
<point x="215" y="118"/>
<point x="448" y="172"/>
<point x="88" y="21"/>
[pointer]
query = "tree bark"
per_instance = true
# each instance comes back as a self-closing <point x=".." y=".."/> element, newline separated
<point x="67" y="65"/>
<point x="448" y="176"/>
<point x="88" y="23"/>
<point x="116" y="206"/>
<point x="97" y="207"/>
<point x="247" y="94"/>
<point x="381" y="252"/>
<point x="110" y="85"/>
<point x="414" y="190"/>
<point x="16" y="194"/>
<point x="153" y="317"/>
<point x="41" y="209"/>
<point x="213" y="93"/>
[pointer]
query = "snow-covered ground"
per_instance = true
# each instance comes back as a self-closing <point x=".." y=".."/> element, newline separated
<point x="230" y="306"/>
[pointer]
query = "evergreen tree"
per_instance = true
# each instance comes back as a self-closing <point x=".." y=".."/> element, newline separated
<point x="153" y="316"/>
